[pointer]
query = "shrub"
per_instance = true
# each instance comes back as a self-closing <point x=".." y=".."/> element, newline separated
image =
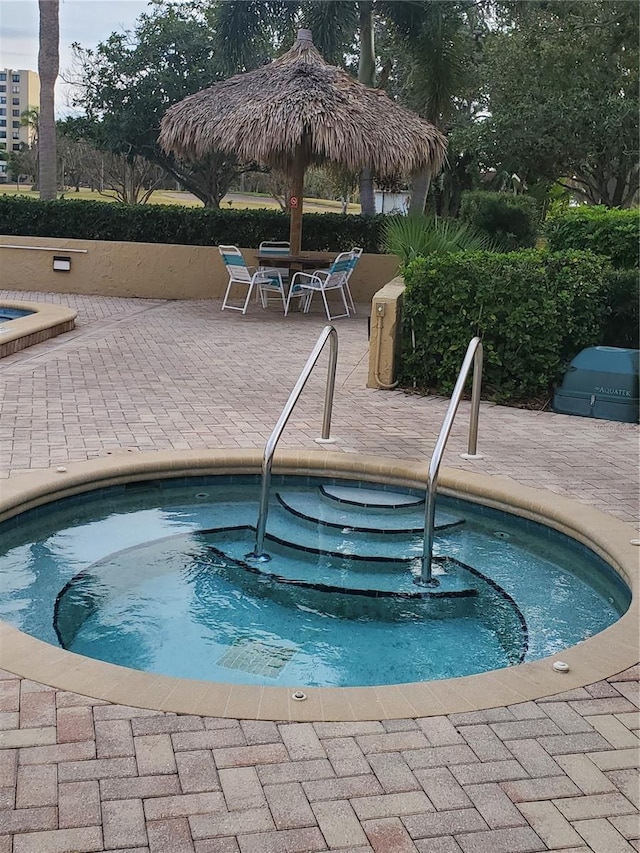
<point x="534" y="311"/>
<point x="412" y="236"/>
<point x="612" y="233"/>
<point x="511" y="221"/>
<point x="621" y="327"/>
<point x="148" y="223"/>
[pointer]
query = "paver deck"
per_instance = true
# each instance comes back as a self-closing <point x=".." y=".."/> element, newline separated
<point x="78" y="774"/>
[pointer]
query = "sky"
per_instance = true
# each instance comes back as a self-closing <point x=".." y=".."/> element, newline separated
<point x="85" y="21"/>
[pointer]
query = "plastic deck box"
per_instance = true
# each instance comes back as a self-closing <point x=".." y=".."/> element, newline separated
<point x="601" y="382"/>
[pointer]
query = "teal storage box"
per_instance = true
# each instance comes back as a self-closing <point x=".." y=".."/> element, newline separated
<point x="601" y="382"/>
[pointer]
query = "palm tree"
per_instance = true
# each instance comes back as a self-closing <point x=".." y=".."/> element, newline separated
<point x="440" y="49"/>
<point x="48" y="64"/>
<point x="30" y="118"/>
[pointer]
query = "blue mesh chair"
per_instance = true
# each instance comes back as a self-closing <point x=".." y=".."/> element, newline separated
<point x="240" y="275"/>
<point x="274" y="286"/>
<point x="305" y="284"/>
<point x="356" y="254"/>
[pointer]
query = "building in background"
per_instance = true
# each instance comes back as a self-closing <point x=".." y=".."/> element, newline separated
<point x="391" y="202"/>
<point x="19" y="92"/>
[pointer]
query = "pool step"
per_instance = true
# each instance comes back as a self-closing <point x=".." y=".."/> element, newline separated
<point x="363" y="517"/>
<point x="374" y="575"/>
<point x="260" y="583"/>
<point x="377" y="588"/>
<point x="313" y="537"/>
<point x="374" y="498"/>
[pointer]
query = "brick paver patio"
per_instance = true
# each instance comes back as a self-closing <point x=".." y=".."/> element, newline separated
<point x="78" y="774"/>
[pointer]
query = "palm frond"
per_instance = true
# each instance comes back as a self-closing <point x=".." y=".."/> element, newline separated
<point x="333" y="23"/>
<point x="241" y="33"/>
<point x="410" y="237"/>
<point x="437" y="42"/>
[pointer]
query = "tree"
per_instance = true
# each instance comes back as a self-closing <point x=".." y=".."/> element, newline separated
<point x="344" y="185"/>
<point x="31" y="118"/>
<point x="75" y="156"/>
<point x="131" y="79"/>
<point x="48" y="65"/>
<point x="27" y="160"/>
<point x="23" y="164"/>
<point x="129" y="180"/>
<point x="562" y="79"/>
<point x="442" y="46"/>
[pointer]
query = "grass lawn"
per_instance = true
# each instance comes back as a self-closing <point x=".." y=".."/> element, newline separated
<point x="239" y="201"/>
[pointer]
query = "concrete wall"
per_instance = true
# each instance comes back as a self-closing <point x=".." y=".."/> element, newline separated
<point x="146" y="270"/>
<point x="384" y="342"/>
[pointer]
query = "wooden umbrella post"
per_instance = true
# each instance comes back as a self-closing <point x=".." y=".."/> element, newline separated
<point x="296" y="201"/>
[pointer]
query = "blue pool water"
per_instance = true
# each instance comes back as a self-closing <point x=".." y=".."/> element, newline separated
<point x="7" y="314"/>
<point x="155" y="577"/>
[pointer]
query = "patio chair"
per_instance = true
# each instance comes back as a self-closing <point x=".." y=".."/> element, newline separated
<point x="356" y="254"/>
<point x="304" y="284"/>
<point x="241" y="275"/>
<point x="274" y="286"/>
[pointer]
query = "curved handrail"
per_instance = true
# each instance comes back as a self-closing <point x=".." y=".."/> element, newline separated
<point x="474" y="353"/>
<point x="328" y="333"/>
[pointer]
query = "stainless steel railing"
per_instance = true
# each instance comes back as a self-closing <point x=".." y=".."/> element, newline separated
<point x="474" y="353"/>
<point x="328" y="333"/>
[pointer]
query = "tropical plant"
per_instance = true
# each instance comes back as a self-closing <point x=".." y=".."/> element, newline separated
<point x="48" y="64"/>
<point x="410" y="237"/>
<point x="31" y="118"/>
<point x="440" y="49"/>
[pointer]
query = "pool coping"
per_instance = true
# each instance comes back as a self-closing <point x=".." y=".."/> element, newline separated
<point x="599" y="657"/>
<point x="46" y="322"/>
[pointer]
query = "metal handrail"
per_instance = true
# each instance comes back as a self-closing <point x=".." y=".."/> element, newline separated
<point x="474" y="353"/>
<point x="330" y="333"/>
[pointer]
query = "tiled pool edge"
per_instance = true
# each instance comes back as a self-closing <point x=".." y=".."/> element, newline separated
<point x="600" y="657"/>
<point x="46" y="322"/>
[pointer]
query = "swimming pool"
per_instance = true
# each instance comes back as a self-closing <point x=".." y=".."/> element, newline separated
<point x="154" y="576"/>
<point x="7" y="313"/>
<point x="23" y="324"/>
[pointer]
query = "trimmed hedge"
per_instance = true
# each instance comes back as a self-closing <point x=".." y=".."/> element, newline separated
<point x="198" y="226"/>
<point x="612" y="233"/>
<point x="621" y="326"/>
<point x="534" y="311"/>
<point x="512" y="221"/>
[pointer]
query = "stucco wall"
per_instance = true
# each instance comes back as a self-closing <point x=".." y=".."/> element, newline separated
<point x="147" y="270"/>
<point x="386" y="327"/>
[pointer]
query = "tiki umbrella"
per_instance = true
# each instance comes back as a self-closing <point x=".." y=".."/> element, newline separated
<point x="298" y="111"/>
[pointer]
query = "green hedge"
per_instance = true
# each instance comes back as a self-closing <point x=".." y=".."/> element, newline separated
<point x="150" y="223"/>
<point x="621" y="325"/>
<point x="613" y="233"/>
<point x="512" y="221"/>
<point x="534" y="311"/>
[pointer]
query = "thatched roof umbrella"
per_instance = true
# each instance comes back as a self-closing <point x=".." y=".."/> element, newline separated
<point x="298" y="111"/>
